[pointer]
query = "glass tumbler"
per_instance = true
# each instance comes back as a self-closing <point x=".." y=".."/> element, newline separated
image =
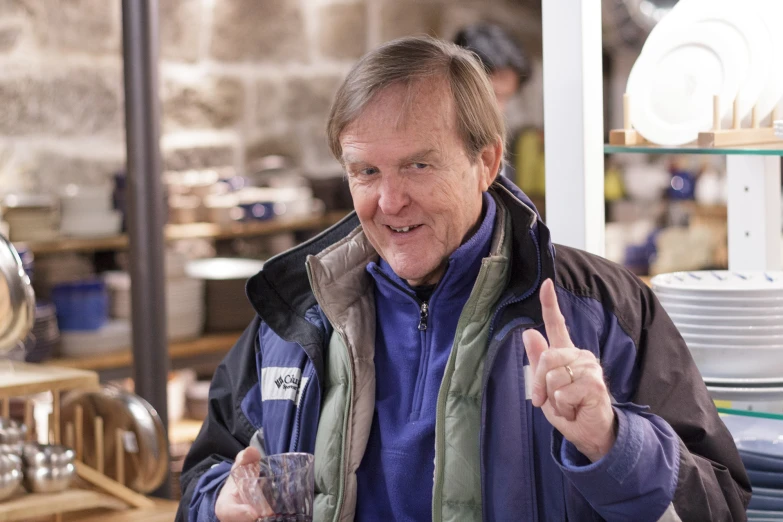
<point x="279" y="487"/>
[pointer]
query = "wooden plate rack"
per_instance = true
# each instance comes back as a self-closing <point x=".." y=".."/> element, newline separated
<point x="91" y="489"/>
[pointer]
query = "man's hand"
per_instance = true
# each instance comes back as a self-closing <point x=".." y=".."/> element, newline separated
<point x="229" y="506"/>
<point x="568" y="383"/>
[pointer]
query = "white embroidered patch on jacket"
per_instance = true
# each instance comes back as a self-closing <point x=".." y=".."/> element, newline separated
<point x="280" y="384"/>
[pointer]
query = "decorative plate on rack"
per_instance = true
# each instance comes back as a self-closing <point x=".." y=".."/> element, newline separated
<point x="744" y="26"/>
<point x="672" y="83"/>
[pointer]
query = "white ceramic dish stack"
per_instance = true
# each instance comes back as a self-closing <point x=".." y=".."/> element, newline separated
<point x="86" y="211"/>
<point x="184" y="303"/>
<point x="732" y="323"/>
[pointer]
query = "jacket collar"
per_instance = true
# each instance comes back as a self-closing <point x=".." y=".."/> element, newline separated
<point x="281" y="295"/>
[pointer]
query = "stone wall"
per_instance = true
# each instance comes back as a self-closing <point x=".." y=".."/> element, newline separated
<point x="239" y="78"/>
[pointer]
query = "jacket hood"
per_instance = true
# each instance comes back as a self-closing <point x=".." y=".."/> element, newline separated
<point x="281" y="295"/>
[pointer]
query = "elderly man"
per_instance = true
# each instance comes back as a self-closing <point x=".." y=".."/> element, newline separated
<point x="448" y="361"/>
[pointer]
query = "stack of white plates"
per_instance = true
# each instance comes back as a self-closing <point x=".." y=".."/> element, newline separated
<point x="185" y="308"/>
<point x="87" y="211"/>
<point x="700" y="49"/>
<point x="113" y="336"/>
<point x="732" y="323"/>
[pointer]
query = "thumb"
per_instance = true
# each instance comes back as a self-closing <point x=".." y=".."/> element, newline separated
<point x="535" y="345"/>
<point x="248" y="455"/>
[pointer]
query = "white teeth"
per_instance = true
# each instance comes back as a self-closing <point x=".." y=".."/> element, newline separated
<point x="403" y="229"/>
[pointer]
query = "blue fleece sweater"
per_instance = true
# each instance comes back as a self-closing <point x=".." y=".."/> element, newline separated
<point x="396" y="473"/>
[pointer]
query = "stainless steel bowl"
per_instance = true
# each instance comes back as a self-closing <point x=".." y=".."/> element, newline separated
<point x="9" y="482"/>
<point x="17" y="300"/>
<point x="45" y="479"/>
<point x="12" y="435"/>
<point x="9" y="461"/>
<point x="47" y="455"/>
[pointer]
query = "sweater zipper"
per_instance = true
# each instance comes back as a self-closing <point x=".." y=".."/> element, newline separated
<point x="422" y="327"/>
<point x="423" y="314"/>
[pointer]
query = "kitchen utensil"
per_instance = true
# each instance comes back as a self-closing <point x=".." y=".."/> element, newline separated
<point x="12" y="436"/>
<point x="17" y="300"/>
<point x="45" y="479"/>
<point x="47" y="455"/>
<point x="144" y="441"/>
<point x="10" y="474"/>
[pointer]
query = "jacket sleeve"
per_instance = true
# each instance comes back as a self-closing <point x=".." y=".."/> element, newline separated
<point x="711" y="481"/>
<point x="226" y="431"/>
<point x="674" y="459"/>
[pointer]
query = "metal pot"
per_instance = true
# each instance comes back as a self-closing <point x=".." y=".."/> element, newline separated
<point x="143" y="438"/>
<point x="10" y="474"/>
<point x="17" y="300"/>
<point x="47" y="455"/>
<point x="12" y="435"/>
<point x="46" y="479"/>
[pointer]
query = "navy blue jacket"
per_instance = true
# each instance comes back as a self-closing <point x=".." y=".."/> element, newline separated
<point x="673" y="454"/>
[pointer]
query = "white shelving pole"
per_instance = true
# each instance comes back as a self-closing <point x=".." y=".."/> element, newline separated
<point x="573" y="122"/>
<point x="754" y="212"/>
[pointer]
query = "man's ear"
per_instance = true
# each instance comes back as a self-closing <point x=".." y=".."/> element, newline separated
<point x="489" y="163"/>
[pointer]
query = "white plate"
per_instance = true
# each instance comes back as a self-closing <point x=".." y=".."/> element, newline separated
<point x="738" y="362"/>
<point x="672" y="83"/>
<point x="725" y="393"/>
<point x="694" y="308"/>
<point x="719" y="301"/>
<point x="771" y="12"/>
<point x="720" y="282"/>
<point x="744" y="383"/>
<point x="750" y="331"/>
<point x="727" y="320"/>
<point x="758" y="341"/>
<point x="749" y="38"/>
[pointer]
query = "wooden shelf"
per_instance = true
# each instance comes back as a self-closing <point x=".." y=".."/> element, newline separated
<point x="207" y="345"/>
<point x="190" y="231"/>
<point x="164" y="511"/>
<point x="19" y="378"/>
<point x="184" y="431"/>
<point x="31" y="505"/>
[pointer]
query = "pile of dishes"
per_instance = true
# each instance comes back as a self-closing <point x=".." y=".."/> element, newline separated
<point x="732" y="323"/>
<point x="760" y="445"/>
<point x="704" y="48"/>
<point x="227" y="308"/>
<point x="43" y="340"/>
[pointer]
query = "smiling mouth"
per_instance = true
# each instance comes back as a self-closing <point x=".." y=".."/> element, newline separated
<point x="403" y="230"/>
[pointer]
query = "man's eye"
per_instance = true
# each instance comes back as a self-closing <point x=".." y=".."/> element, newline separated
<point x="420" y="166"/>
<point x="370" y="171"/>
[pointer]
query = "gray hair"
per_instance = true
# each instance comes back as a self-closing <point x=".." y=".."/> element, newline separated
<point x="407" y="61"/>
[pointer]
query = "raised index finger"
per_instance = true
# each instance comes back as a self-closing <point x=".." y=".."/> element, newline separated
<point x="554" y="321"/>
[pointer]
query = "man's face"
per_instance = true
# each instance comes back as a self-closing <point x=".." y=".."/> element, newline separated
<point x="415" y="190"/>
<point x="505" y="83"/>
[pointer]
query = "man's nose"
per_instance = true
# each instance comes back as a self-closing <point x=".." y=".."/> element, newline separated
<point x="393" y="195"/>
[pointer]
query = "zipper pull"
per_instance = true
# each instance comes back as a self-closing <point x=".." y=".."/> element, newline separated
<point x="423" y="313"/>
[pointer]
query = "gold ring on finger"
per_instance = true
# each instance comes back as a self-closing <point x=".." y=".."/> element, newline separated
<point x="570" y="372"/>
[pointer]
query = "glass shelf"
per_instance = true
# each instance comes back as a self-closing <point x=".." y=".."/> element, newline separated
<point x="748" y="413"/>
<point x="772" y="149"/>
